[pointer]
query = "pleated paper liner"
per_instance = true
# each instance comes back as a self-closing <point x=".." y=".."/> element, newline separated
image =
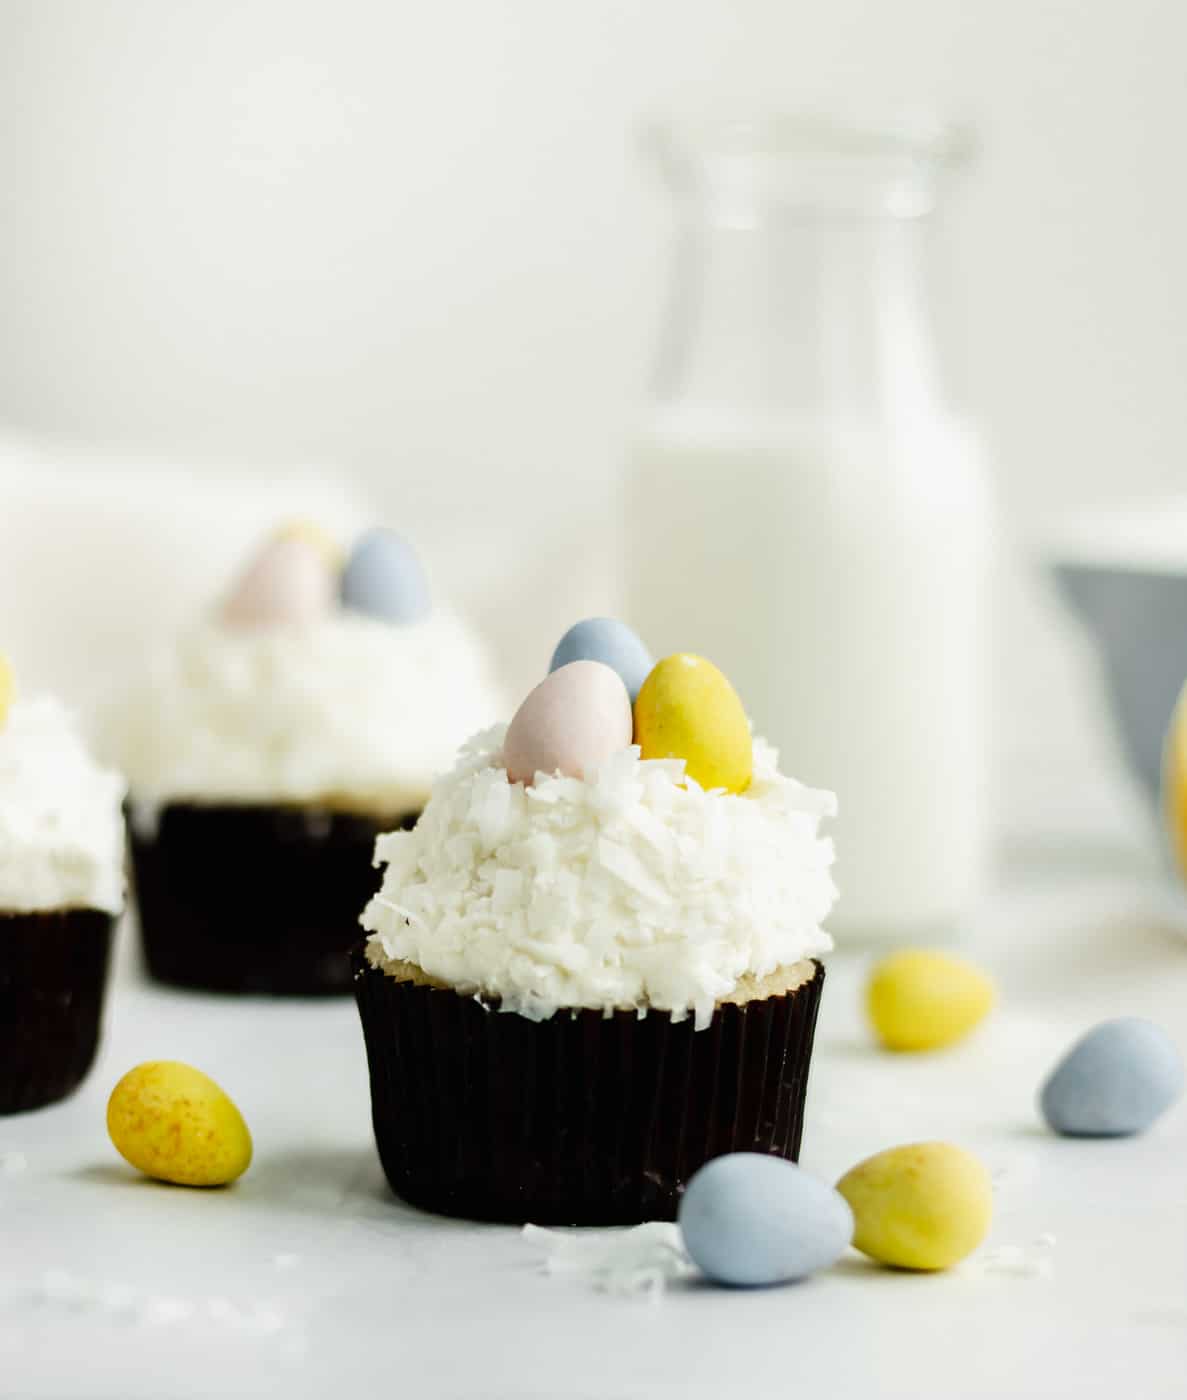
<point x="580" y="1119"/>
<point x="53" y="974"/>
<point x="255" y="898"/>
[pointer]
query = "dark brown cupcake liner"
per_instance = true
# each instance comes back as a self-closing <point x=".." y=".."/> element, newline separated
<point x="582" y="1119"/>
<point x="255" y="898"/>
<point x="53" y="974"/>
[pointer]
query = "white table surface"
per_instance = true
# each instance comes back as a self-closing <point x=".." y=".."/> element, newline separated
<point x="308" y="1278"/>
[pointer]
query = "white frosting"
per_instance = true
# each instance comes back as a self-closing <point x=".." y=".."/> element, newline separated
<point x="633" y="888"/>
<point x="349" y="711"/>
<point x="61" y="824"/>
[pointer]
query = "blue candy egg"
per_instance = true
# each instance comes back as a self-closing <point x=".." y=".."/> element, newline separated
<point x="383" y="578"/>
<point x="750" y="1220"/>
<point x="1114" y="1082"/>
<point x="609" y="641"/>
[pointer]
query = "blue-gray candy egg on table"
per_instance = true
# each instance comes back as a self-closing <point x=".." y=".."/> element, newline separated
<point x="749" y="1220"/>
<point x="609" y="641"/>
<point x="383" y="578"/>
<point x="1115" y="1081"/>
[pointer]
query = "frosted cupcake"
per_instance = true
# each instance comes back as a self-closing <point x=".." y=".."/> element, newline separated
<point x="594" y="963"/>
<point x="61" y="889"/>
<point x="272" y="742"/>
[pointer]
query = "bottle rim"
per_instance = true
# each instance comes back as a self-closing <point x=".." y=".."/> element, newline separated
<point x="844" y="162"/>
<point x="844" y="132"/>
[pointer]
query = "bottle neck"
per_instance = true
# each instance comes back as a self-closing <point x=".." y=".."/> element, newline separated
<point x="777" y="315"/>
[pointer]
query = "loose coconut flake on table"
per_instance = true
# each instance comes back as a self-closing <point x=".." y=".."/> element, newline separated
<point x="1028" y="1261"/>
<point x="640" y="1260"/>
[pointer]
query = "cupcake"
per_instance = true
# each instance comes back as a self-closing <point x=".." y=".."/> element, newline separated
<point x="61" y="890"/>
<point x="269" y="745"/>
<point x="594" y="962"/>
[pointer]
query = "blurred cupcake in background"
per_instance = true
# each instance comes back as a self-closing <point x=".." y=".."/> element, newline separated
<point x="61" y="891"/>
<point x="269" y="745"/>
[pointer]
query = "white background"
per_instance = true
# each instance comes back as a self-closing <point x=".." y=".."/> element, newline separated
<point x="415" y="242"/>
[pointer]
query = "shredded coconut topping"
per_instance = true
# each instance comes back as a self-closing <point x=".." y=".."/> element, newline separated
<point x="633" y="887"/>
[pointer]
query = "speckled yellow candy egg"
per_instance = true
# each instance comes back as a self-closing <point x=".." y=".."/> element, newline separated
<point x="687" y="709"/>
<point x="924" y="1206"/>
<point x="174" y="1123"/>
<point x="5" y="689"/>
<point x="920" y="1000"/>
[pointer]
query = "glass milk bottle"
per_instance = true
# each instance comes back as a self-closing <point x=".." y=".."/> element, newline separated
<point x="805" y="510"/>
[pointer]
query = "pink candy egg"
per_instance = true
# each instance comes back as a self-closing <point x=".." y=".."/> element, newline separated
<point x="575" y="718"/>
<point x="289" y="581"/>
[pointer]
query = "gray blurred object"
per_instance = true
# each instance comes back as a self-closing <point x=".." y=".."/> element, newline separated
<point x="1133" y="598"/>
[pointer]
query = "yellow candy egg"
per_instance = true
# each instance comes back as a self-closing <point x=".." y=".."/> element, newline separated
<point x="687" y="709"/>
<point x="1174" y="784"/>
<point x="174" y="1123"/>
<point x="925" y="1206"/>
<point x="5" y="688"/>
<point x="319" y="537"/>
<point x="919" y="1000"/>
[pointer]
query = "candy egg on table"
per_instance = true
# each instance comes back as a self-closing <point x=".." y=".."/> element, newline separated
<point x="575" y="718"/>
<point x="174" y="1123"/>
<point x="5" y="689"/>
<point x="1174" y="784"/>
<point x="288" y="581"/>
<point x="922" y="1000"/>
<point x="383" y="578"/>
<point x="923" y="1206"/>
<point x="1114" y="1081"/>
<point x="609" y="641"/>
<point x="687" y="709"/>
<point x="750" y="1220"/>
